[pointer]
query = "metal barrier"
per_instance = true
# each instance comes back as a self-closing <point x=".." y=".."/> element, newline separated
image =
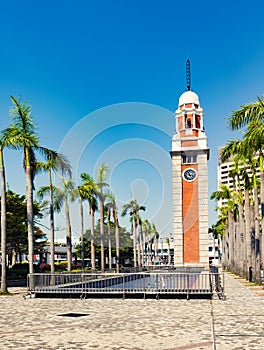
<point x="142" y="283"/>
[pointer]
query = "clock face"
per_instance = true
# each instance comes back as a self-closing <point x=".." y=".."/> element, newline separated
<point x="189" y="174"/>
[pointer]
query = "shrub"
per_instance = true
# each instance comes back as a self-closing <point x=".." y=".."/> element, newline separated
<point x="44" y="267"/>
<point x="76" y="266"/>
<point x="23" y="267"/>
<point x="18" y="271"/>
<point x="60" y="267"/>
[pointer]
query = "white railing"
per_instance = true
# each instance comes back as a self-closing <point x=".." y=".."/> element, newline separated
<point x="158" y="282"/>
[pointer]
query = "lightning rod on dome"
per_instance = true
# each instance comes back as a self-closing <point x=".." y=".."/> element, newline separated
<point x="188" y="74"/>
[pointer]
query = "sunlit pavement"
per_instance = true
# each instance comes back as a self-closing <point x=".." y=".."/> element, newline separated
<point x="177" y="324"/>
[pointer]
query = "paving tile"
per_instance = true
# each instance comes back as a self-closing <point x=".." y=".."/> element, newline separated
<point x="138" y="324"/>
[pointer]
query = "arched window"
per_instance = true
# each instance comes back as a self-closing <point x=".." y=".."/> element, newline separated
<point x="188" y="123"/>
<point x="197" y="121"/>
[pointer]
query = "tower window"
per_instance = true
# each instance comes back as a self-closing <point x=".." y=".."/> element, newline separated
<point x="189" y="159"/>
<point x="197" y="122"/>
<point x="188" y="123"/>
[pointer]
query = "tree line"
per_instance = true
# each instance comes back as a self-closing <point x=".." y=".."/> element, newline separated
<point x="240" y="224"/>
<point x="21" y="135"/>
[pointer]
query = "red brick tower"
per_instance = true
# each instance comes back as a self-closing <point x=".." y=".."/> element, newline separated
<point x="190" y="184"/>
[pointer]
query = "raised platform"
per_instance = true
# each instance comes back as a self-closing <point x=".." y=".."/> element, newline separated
<point x="159" y="283"/>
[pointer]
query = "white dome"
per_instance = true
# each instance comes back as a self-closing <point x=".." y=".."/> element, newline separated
<point x="189" y="97"/>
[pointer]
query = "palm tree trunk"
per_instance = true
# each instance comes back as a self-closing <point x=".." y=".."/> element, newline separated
<point x="134" y="240"/>
<point x="156" y="249"/>
<point x="247" y="240"/>
<point x="252" y="235"/>
<point x="102" y="233"/>
<point x="109" y="247"/>
<point x="142" y="246"/>
<point x="225" y="248"/>
<point x="241" y="238"/>
<point x="257" y="235"/>
<point x="3" y="223"/>
<point x="30" y="218"/>
<point x="138" y="244"/>
<point x="68" y="237"/>
<point x="230" y="240"/>
<point x="117" y="245"/>
<point x="82" y="231"/>
<point x="262" y="218"/>
<point x="149" y="262"/>
<point x="92" y="239"/>
<point x="169" y="254"/>
<point x="14" y="257"/>
<point x="52" y="252"/>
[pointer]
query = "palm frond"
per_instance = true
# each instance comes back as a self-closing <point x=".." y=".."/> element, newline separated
<point x="254" y="136"/>
<point x="231" y="149"/>
<point x="21" y="116"/>
<point x="102" y="172"/>
<point x="247" y="114"/>
<point x="43" y="192"/>
<point x="56" y="161"/>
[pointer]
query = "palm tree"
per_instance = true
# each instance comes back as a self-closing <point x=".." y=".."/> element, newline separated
<point x="226" y="194"/>
<point x="82" y="196"/>
<point x="138" y="229"/>
<point x="235" y="150"/>
<point x="140" y="240"/>
<point x="133" y="209"/>
<point x="147" y="239"/>
<point x="247" y="114"/>
<point x="252" y="116"/>
<point x="21" y="135"/>
<point x="100" y="184"/>
<point x="130" y="208"/>
<point x="3" y="219"/>
<point x="222" y="228"/>
<point x="213" y="230"/>
<point x="116" y="221"/>
<point x="89" y="191"/>
<point x="155" y="238"/>
<point x="111" y="205"/>
<point x="108" y="207"/>
<point x="86" y="190"/>
<point x="243" y="158"/>
<point x="55" y="203"/>
<point x="66" y="194"/>
<point x="169" y="256"/>
<point x="249" y="225"/>
<point x="54" y="162"/>
<point x="242" y="150"/>
<point x="254" y="140"/>
<point x="235" y="173"/>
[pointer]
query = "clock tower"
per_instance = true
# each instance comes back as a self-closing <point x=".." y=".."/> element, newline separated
<point x="189" y="156"/>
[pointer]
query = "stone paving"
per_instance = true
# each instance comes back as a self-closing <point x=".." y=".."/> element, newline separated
<point x="117" y="324"/>
<point x="239" y="321"/>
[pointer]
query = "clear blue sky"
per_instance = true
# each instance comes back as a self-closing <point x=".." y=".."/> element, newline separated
<point x="69" y="59"/>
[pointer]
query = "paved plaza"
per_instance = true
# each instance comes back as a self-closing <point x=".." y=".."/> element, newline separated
<point x="176" y="324"/>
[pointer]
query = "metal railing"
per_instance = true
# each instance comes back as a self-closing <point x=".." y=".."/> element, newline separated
<point x="158" y="282"/>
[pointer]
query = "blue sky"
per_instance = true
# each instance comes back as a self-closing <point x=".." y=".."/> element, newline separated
<point x="69" y="59"/>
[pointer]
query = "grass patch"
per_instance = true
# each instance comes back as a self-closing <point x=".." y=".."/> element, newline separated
<point x="251" y="284"/>
<point x="6" y="293"/>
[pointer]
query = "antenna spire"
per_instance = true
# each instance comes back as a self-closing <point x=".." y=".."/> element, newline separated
<point x="188" y="74"/>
